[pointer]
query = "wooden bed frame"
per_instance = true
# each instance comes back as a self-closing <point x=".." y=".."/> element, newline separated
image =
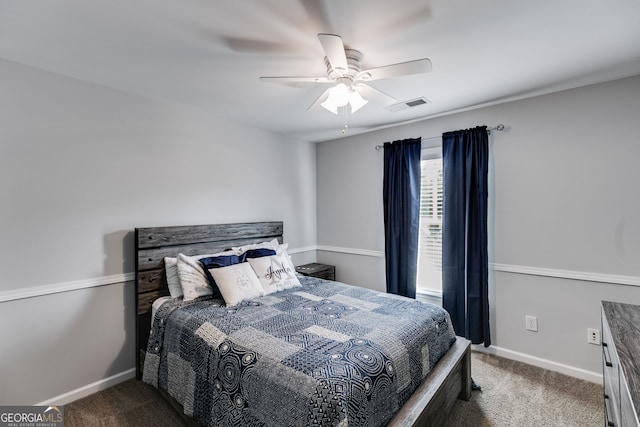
<point x="429" y="405"/>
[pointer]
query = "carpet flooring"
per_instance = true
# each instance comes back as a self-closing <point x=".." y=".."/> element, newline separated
<point x="517" y="394"/>
<point x="513" y="394"/>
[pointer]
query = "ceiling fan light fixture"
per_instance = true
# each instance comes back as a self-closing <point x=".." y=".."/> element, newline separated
<point x="330" y="106"/>
<point x="356" y="101"/>
<point x="339" y="96"/>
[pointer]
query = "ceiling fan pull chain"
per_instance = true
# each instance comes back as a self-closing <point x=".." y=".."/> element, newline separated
<point x="346" y="116"/>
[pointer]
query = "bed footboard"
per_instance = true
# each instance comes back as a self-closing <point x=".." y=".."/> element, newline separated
<point x="433" y="400"/>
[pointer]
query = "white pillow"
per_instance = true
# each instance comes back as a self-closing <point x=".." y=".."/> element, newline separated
<point x="173" y="279"/>
<point x="237" y="283"/>
<point x="193" y="280"/>
<point x="272" y="244"/>
<point x="282" y="248"/>
<point x="276" y="272"/>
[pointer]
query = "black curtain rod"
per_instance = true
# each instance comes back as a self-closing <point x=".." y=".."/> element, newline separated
<point x="499" y="128"/>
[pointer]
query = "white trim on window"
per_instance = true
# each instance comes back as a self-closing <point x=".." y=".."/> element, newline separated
<point x="430" y="240"/>
<point x="429" y="296"/>
<point x="431" y="153"/>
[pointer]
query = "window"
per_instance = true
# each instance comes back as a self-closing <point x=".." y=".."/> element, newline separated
<point x="430" y="245"/>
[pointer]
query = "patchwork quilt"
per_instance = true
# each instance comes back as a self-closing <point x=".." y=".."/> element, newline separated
<point x="325" y="353"/>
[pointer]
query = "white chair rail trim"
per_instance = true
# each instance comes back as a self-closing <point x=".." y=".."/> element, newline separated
<point x="36" y="291"/>
<point x="351" y="251"/>
<point x="585" y="276"/>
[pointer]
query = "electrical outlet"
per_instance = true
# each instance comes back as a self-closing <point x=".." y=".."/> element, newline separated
<point x="593" y="336"/>
<point x="531" y="323"/>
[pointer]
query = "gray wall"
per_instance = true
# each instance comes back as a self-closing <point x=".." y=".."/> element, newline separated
<point x="80" y="167"/>
<point x="564" y="202"/>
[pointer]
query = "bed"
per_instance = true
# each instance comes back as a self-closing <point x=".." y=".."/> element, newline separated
<point x="303" y="355"/>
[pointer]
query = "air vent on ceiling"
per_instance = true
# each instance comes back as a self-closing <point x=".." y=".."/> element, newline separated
<point x="408" y="104"/>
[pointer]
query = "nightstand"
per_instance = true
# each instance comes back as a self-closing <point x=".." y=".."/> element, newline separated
<point x="315" y="269"/>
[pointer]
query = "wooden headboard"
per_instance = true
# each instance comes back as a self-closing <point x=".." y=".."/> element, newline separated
<point x="155" y="243"/>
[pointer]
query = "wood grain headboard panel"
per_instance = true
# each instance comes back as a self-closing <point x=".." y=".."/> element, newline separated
<point x="155" y="243"/>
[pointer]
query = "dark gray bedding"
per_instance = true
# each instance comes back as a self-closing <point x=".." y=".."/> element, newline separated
<point x="325" y="353"/>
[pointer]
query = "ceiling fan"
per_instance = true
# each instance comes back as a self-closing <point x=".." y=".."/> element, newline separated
<point x="344" y="71"/>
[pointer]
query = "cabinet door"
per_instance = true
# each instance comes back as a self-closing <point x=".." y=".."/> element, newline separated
<point x="628" y="416"/>
<point x="611" y="377"/>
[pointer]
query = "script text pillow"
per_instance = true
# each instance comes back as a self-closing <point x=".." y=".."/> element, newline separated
<point x="275" y="272"/>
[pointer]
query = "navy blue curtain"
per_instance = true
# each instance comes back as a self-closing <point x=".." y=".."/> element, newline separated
<point x="401" y="195"/>
<point x="465" y="157"/>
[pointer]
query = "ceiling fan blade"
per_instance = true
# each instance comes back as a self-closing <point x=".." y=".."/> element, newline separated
<point x="334" y="49"/>
<point x="295" y="79"/>
<point x="418" y="66"/>
<point x="320" y="99"/>
<point x="375" y="95"/>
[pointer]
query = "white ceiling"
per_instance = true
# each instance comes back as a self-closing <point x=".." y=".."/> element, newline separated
<point x="210" y="53"/>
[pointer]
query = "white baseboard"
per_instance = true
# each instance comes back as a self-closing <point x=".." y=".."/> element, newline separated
<point x="571" y="371"/>
<point x="89" y="389"/>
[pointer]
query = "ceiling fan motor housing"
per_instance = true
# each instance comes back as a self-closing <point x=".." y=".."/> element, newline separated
<point x="353" y="60"/>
